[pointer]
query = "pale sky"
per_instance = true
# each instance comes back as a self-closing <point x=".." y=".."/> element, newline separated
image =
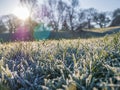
<point x="7" y="6"/>
<point x="102" y="5"/>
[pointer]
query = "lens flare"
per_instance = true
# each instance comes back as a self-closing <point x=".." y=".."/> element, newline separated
<point x="22" y="34"/>
<point x="41" y="32"/>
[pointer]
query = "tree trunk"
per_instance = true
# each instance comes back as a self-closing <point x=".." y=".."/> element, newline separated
<point x="89" y="23"/>
<point x="101" y="26"/>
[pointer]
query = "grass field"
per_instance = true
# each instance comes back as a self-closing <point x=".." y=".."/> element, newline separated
<point x="65" y="64"/>
<point x="84" y="34"/>
<point x="102" y="30"/>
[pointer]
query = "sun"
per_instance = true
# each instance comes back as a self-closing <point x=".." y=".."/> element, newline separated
<point x="21" y="12"/>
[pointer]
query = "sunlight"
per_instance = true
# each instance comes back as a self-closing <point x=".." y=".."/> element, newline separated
<point x="21" y="12"/>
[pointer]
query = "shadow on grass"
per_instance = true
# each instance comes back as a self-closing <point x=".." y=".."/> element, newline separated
<point x="6" y="37"/>
<point x="82" y="34"/>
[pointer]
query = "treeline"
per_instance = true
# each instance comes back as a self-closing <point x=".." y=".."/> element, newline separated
<point x="60" y="15"/>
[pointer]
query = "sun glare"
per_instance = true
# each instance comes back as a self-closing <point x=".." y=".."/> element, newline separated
<point x="21" y="12"/>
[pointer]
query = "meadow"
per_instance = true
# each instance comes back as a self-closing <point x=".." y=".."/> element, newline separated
<point x="64" y="64"/>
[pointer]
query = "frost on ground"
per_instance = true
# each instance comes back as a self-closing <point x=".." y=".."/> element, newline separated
<point x="92" y="64"/>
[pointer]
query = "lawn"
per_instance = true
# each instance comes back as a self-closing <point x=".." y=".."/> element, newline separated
<point x="65" y="64"/>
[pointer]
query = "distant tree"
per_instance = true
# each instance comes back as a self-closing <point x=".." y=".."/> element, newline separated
<point x="56" y="13"/>
<point x="61" y="15"/>
<point x="31" y="5"/>
<point x="116" y="18"/>
<point x="72" y="14"/>
<point x="81" y="23"/>
<point x="89" y="14"/>
<point x="116" y="21"/>
<point x="78" y="21"/>
<point x="11" y="22"/>
<point x="2" y="27"/>
<point x="101" y="19"/>
<point x="116" y="13"/>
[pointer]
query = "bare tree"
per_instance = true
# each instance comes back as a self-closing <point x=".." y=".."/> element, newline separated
<point x="81" y="23"/>
<point x="116" y="13"/>
<point x="116" y="18"/>
<point x="31" y="5"/>
<point x="56" y="13"/>
<point x="62" y="15"/>
<point x="2" y="27"/>
<point x="89" y="15"/>
<point x="72" y="13"/>
<point x="101" y="19"/>
<point x="11" y="22"/>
